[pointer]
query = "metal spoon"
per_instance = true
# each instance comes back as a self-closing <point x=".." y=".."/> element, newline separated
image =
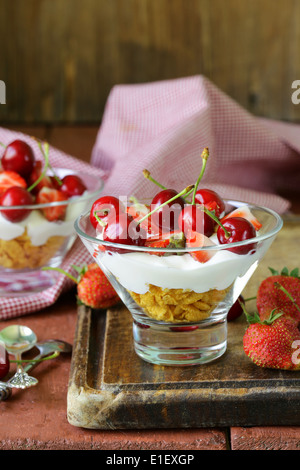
<point x="45" y="348"/>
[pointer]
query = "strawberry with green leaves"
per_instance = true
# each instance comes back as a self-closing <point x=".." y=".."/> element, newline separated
<point x="272" y="343"/>
<point x="280" y="291"/>
<point x="93" y="288"/>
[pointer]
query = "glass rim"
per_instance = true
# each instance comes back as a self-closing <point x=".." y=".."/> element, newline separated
<point x="74" y="199"/>
<point x="135" y="248"/>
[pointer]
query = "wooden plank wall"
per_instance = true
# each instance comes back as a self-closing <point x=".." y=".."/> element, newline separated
<point x="60" y="58"/>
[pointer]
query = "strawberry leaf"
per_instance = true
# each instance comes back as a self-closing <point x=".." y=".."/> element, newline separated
<point x="273" y="316"/>
<point x="273" y="271"/>
<point x="285" y="272"/>
<point x="295" y="272"/>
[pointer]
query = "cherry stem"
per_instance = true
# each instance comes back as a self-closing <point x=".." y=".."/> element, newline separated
<point x="3" y="145"/>
<point x="101" y="222"/>
<point x="185" y="191"/>
<point x="279" y="286"/>
<point x="215" y="218"/>
<point x="45" y="152"/>
<point x="204" y="156"/>
<point x="49" y="268"/>
<point x="59" y="181"/>
<point x="148" y="176"/>
<point x="52" y="356"/>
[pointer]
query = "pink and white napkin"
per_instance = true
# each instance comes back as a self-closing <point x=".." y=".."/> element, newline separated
<point x="163" y="126"/>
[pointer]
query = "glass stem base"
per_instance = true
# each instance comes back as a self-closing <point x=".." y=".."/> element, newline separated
<point x="191" y="344"/>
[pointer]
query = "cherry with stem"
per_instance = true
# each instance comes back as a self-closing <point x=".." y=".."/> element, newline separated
<point x="185" y="192"/>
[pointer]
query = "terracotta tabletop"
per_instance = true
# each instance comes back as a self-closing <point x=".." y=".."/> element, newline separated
<point x="36" y="418"/>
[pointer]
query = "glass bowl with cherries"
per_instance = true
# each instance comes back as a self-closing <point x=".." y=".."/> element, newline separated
<point x="38" y="207"/>
<point x="179" y="261"/>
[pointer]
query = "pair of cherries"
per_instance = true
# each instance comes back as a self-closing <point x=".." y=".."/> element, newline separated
<point x="119" y="227"/>
<point x="19" y="158"/>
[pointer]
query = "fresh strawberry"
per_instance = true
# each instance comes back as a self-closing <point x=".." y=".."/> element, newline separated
<point x="35" y="174"/>
<point x="271" y="343"/>
<point x="94" y="289"/>
<point x="280" y="291"/>
<point x="198" y="240"/>
<point x="48" y="195"/>
<point x="9" y="179"/>
<point x="245" y="213"/>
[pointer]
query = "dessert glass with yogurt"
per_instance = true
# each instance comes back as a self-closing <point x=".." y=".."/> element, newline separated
<point x="35" y="242"/>
<point x="179" y="305"/>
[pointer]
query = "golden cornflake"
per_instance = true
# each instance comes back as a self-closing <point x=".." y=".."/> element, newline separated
<point x="178" y="305"/>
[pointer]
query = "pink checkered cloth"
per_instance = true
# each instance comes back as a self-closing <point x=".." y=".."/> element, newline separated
<point x="164" y="126"/>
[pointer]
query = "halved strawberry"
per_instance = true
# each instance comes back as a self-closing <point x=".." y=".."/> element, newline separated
<point x="160" y="243"/>
<point x="48" y="195"/>
<point x="35" y="174"/>
<point x="198" y="240"/>
<point x="244" y="212"/>
<point x="9" y="179"/>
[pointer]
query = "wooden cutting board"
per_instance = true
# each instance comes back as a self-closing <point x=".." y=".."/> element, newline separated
<point x="110" y="387"/>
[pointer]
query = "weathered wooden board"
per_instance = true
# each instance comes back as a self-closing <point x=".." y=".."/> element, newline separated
<point x="112" y="388"/>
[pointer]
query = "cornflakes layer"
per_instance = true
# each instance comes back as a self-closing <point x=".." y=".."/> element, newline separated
<point x="19" y="253"/>
<point x="178" y="305"/>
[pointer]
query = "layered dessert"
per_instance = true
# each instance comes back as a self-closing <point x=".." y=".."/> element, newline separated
<point x="179" y="256"/>
<point x="31" y="243"/>
<point x="37" y="207"/>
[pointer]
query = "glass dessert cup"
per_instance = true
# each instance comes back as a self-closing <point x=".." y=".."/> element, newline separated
<point x="179" y="305"/>
<point x="35" y="242"/>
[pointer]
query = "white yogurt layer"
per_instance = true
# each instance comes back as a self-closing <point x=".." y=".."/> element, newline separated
<point x="39" y="229"/>
<point x="136" y="270"/>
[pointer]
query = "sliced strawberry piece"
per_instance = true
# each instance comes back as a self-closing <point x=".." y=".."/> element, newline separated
<point x="157" y="244"/>
<point x="48" y="195"/>
<point x="198" y="240"/>
<point x="9" y="179"/>
<point x="35" y="174"/>
<point x="245" y="213"/>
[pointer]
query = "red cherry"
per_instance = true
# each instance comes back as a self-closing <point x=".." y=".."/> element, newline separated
<point x="239" y="230"/>
<point x="104" y="206"/>
<point x="72" y="185"/>
<point x="18" y="157"/>
<point x="4" y="362"/>
<point x="236" y="310"/>
<point x="211" y="200"/>
<point x="121" y="228"/>
<point x="15" y="196"/>
<point x="184" y="328"/>
<point x="193" y="219"/>
<point x="166" y="217"/>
